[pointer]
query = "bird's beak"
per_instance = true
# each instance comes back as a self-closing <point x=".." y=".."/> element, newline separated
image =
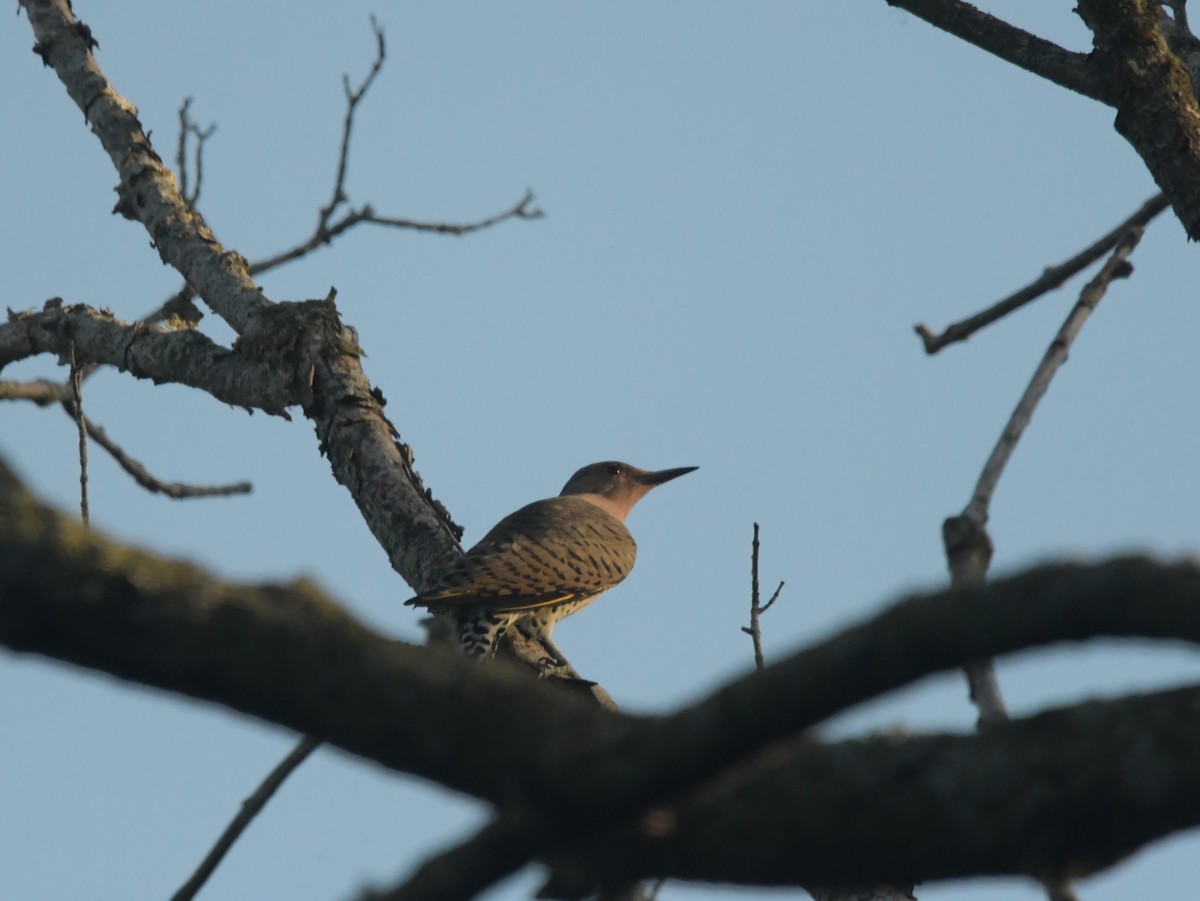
<point x="651" y="479"/>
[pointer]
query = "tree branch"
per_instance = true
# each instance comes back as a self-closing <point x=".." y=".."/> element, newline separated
<point x="327" y="231"/>
<point x="44" y="392"/>
<point x="146" y="189"/>
<point x="75" y="595"/>
<point x="1152" y="92"/>
<point x="321" y="353"/>
<point x="461" y="872"/>
<point x="249" y="810"/>
<point x="1055" y="356"/>
<point x="1011" y="44"/>
<point x="1051" y="278"/>
<point x="185" y="358"/>
<point x="1057" y="796"/>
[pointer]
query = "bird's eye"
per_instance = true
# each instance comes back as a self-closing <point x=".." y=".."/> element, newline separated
<point x="614" y="470"/>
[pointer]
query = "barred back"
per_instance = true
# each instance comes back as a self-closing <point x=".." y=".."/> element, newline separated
<point x="555" y="551"/>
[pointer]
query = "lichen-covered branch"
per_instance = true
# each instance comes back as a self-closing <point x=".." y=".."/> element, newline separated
<point x="183" y="358"/>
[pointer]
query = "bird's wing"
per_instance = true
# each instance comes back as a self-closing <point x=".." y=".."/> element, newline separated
<point x="546" y="553"/>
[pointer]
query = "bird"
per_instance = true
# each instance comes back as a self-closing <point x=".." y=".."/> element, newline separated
<point x="547" y="560"/>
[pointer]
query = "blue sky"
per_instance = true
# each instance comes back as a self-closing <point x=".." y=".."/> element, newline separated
<point x="748" y="207"/>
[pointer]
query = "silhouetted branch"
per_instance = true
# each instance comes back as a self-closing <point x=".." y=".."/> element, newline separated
<point x="461" y="872"/>
<point x="77" y="596"/>
<point x="1052" y="278"/>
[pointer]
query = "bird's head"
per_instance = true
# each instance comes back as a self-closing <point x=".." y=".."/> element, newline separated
<point x="615" y="487"/>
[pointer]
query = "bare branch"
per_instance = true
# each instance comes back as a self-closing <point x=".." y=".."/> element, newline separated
<point x="200" y="135"/>
<point x="1116" y="267"/>
<point x="325" y="233"/>
<point x="756" y="608"/>
<point x="44" y="392"/>
<point x="1050" y="279"/>
<point x="353" y="98"/>
<point x="999" y="38"/>
<point x="249" y="810"/>
<point x="328" y="229"/>
<point x="175" y="490"/>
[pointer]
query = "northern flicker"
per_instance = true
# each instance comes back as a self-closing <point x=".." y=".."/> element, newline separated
<point x="546" y="560"/>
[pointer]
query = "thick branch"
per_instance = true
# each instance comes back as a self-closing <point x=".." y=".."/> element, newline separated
<point x="76" y="596"/>
<point x="463" y="871"/>
<point x="146" y="190"/>
<point x="1056" y="796"/>
<point x="185" y="358"/>
<point x="288" y="655"/>
<point x="1152" y="92"/>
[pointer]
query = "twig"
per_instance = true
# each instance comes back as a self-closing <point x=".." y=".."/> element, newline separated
<point x="188" y="127"/>
<point x="249" y="810"/>
<point x="44" y="392"/>
<point x="327" y="229"/>
<point x="176" y="490"/>
<point x="754" y="630"/>
<point x="522" y="209"/>
<point x="1052" y="278"/>
<point x="76" y="380"/>
<point x="353" y="98"/>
